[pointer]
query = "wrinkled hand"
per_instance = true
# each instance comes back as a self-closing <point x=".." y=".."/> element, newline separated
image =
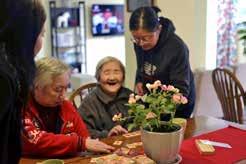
<point x="117" y="130"/>
<point x="139" y="89"/>
<point x="95" y="145"/>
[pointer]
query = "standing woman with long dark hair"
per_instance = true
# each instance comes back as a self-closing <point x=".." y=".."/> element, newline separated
<point x="161" y="55"/>
<point x="21" y="34"/>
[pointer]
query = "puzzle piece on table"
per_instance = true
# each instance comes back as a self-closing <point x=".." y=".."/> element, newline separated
<point x="131" y="146"/>
<point x="204" y="149"/>
<point x="112" y="158"/>
<point x="118" y="143"/>
<point x="133" y="134"/>
<point x="134" y="145"/>
<point x="122" y="151"/>
<point x="138" y="143"/>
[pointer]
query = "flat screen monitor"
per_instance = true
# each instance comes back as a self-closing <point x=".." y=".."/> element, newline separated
<point x="107" y="19"/>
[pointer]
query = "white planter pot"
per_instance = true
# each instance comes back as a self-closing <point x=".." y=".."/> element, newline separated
<point x="162" y="147"/>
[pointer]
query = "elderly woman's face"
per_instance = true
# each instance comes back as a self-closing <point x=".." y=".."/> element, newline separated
<point x="111" y="77"/>
<point x="53" y="95"/>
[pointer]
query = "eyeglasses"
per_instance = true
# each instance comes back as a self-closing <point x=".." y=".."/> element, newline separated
<point x="144" y="39"/>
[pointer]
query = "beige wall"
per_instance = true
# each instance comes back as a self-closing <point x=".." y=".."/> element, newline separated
<point x="189" y="18"/>
<point x="46" y="49"/>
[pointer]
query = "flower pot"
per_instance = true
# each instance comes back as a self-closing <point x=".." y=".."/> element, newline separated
<point x="182" y="122"/>
<point x="162" y="147"/>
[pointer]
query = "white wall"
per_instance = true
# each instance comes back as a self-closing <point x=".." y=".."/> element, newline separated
<point x="97" y="47"/>
<point x="211" y="40"/>
<point x="130" y="55"/>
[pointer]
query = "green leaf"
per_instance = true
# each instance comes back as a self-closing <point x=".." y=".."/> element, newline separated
<point x="144" y="97"/>
<point x="243" y="37"/>
<point x="243" y="31"/>
<point x="131" y="126"/>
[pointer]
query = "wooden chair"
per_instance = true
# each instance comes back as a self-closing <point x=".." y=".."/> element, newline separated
<point x="230" y="93"/>
<point x="79" y="94"/>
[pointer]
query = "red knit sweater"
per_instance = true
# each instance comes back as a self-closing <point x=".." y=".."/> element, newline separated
<point x="37" y="141"/>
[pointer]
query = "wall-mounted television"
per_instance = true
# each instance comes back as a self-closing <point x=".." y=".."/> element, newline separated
<point x="107" y="19"/>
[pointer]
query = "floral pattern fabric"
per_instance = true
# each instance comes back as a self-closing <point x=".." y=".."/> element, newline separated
<point x="226" y="33"/>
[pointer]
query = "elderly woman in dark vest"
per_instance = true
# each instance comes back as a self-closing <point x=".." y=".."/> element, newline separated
<point x="106" y="100"/>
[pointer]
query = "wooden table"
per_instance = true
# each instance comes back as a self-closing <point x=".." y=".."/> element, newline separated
<point x="195" y="126"/>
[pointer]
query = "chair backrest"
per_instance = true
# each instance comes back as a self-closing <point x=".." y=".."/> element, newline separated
<point x="79" y="94"/>
<point x="230" y="93"/>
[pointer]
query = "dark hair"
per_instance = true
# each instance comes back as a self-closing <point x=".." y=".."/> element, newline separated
<point x="21" y="22"/>
<point x="145" y="18"/>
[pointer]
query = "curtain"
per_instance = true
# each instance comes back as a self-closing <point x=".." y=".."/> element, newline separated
<point x="226" y="33"/>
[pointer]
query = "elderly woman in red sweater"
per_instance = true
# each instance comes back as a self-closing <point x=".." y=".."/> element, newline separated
<point x="52" y="126"/>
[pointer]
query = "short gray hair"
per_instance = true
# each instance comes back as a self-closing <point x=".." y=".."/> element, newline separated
<point x="106" y="60"/>
<point x="47" y="69"/>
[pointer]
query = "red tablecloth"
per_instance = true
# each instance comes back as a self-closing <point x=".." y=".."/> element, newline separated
<point x="235" y="137"/>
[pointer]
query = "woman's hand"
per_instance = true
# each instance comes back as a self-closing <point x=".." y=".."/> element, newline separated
<point x="95" y="145"/>
<point x="139" y="89"/>
<point x="117" y="130"/>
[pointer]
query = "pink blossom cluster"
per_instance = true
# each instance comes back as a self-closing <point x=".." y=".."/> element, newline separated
<point x="161" y="97"/>
<point x="179" y="99"/>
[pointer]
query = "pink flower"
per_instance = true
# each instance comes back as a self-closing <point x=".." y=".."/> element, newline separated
<point x="137" y="97"/>
<point x="183" y="100"/>
<point x="170" y="88"/>
<point x="117" y="117"/>
<point x="153" y="86"/>
<point x="150" y="115"/>
<point x="156" y="84"/>
<point x="164" y="87"/>
<point x="132" y="99"/>
<point x="177" y="98"/>
<point x="131" y="95"/>
<point x="149" y="86"/>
